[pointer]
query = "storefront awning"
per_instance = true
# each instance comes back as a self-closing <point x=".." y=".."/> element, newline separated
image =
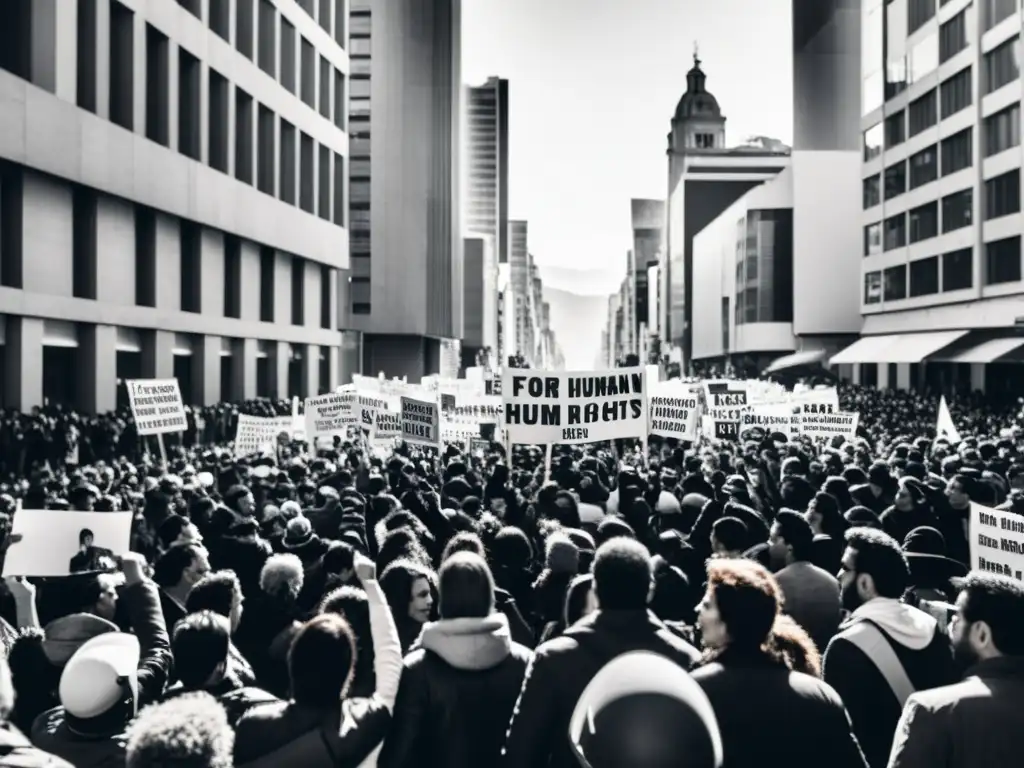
<point x="864" y="350"/>
<point x="796" y="359"/>
<point x="915" y="347"/>
<point x="986" y="351"/>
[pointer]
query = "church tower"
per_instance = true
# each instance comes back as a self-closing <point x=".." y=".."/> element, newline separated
<point x="698" y="123"/>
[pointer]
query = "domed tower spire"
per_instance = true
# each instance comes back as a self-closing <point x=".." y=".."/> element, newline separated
<point x="698" y="123"/>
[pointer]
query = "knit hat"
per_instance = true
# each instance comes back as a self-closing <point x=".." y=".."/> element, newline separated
<point x="233" y="494"/>
<point x="561" y="555"/>
<point x="299" y="531"/>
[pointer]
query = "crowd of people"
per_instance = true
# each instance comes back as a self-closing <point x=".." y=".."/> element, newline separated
<point x="707" y="605"/>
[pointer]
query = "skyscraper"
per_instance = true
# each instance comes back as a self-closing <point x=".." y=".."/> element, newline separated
<point x="485" y="207"/>
<point x="405" y="183"/>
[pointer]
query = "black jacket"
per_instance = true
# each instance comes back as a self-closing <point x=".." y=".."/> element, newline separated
<point x="771" y="716"/>
<point x="562" y="668"/>
<point x="456" y="695"/>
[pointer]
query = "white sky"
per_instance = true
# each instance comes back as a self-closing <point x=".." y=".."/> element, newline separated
<point x="592" y="88"/>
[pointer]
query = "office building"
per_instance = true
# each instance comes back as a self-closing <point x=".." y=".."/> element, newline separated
<point x="705" y="178"/>
<point x="172" y="181"/>
<point x="485" y="209"/>
<point x="648" y="224"/>
<point x="941" y="292"/>
<point x="405" y="94"/>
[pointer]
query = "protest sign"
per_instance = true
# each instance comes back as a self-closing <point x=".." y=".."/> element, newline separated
<point x="719" y="430"/>
<point x="59" y="542"/>
<point x="769" y="417"/>
<point x="675" y="412"/>
<point x="459" y="431"/>
<point x="997" y="541"/>
<point x="543" y="407"/>
<point x="726" y="400"/>
<point x="421" y="422"/>
<point x="329" y="415"/>
<point x="156" y="406"/>
<point x="821" y="421"/>
<point x="254" y="434"/>
<point x="387" y="425"/>
<point x="479" y="446"/>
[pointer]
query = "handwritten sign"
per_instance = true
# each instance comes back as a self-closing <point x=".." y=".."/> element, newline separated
<point x="156" y="406"/>
<point x="675" y="412"/>
<point x="329" y="415"/>
<point x="997" y="541"/>
<point x="421" y="422"/>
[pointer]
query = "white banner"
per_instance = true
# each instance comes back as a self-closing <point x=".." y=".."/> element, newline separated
<point x="997" y="541"/>
<point x="675" y="411"/>
<point x="329" y="415"/>
<point x="254" y="434"/>
<point x="421" y="422"/>
<point x="543" y="407"/>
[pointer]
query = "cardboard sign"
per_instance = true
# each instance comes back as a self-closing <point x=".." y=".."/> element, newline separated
<point x="156" y="406"/>
<point x="60" y="542"/>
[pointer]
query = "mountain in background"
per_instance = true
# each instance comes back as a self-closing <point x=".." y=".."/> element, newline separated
<point x="582" y="282"/>
<point x="577" y="321"/>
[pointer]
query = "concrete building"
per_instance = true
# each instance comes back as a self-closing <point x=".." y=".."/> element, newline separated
<point x="648" y="224"/>
<point x="704" y="178"/>
<point x="485" y="205"/>
<point x="172" y="184"/>
<point x="405" y="183"/>
<point x="941" y="193"/>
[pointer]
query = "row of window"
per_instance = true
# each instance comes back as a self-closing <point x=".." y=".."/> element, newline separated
<point x="952" y="154"/>
<point x="329" y="14"/>
<point x="920" y="223"/>
<point x="85" y="258"/>
<point x="952" y="271"/>
<point x="360" y="58"/>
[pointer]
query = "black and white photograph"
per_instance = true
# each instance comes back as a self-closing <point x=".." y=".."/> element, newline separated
<point x="511" y="384"/>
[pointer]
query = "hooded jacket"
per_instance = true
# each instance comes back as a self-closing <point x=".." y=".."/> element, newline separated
<point x="456" y="696"/>
<point x="922" y="650"/>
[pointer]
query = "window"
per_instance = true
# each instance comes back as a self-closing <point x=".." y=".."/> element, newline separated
<point x="85" y="34"/>
<point x="122" y="65"/>
<point x="340" y="11"/>
<point x="307" y="87"/>
<point x="298" y="290"/>
<point x="219" y="121"/>
<point x="955" y="93"/>
<point x="145" y="256"/>
<point x="232" y="276"/>
<point x="158" y="121"/>
<point x="1002" y="130"/>
<point x="267" y="269"/>
<point x="872" y="287"/>
<point x="359" y="46"/>
<point x="1002" y="195"/>
<point x="895" y="235"/>
<point x="994" y="11"/>
<point x="957" y="210"/>
<point x="872" y="190"/>
<point x="339" y="99"/>
<point x="195" y="7"/>
<point x="704" y="140"/>
<point x="894" y="283"/>
<point x="873" y="239"/>
<point x="918" y="12"/>
<point x="957" y="151"/>
<point x="245" y="26"/>
<point x="953" y="37"/>
<point x="924" y="167"/>
<point x="220" y="18"/>
<point x="83" y="242"/>
<point x="924" y="222"/>
<point x="307" y="180"/>
<point x="1002" y="261"/>
<point x="267" y="38"/>
<point x="288" y="162"/>
<point x="922" y="113"/>
<point x="339" y="190"/>
<point x="244" y="120"/>
<point x="924" y="276"/>
<point x="288" y="55"/>
<point x="265" y="152"/>
<point x="957" y="270"/>
<point x="324" y="174"/>
<point x="16" y="40"/>
<point x="873" y="138"/>
<point x="895" y="129"/>
<point x="1002" y="65"/>
<point x="189" y="105"/>
<point x="324" y="16"/>
<point x="191" y="266"/>
<point x="326" y="279"/>
<point x="326" y="83"/>
<point x="895" y="180"/>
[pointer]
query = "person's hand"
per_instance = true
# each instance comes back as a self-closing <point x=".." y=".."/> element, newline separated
<point x="11" y="538"/>
<point x="23" y="592"/>
<point x="134" y="566"/>
<point x="364" y="568"/>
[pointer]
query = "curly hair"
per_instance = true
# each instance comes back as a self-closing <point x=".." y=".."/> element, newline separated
<point x="282" y="577"/>
<point x="796" y="646"/>
<point x="189" y="731"/>
<point x="748" y="600"/>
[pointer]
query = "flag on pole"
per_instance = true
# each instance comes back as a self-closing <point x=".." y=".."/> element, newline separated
<point x="944" y="426"/>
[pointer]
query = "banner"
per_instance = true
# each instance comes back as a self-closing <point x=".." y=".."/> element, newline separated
<point x="421" y="422"/>
<point x="543" y="407"/>
<point x="818" y="422"/>
<point x="769" y="418"/>
<point x="254" y="434"/>
<point x="944" y="426"/>
<point x="156" y="406"/>
<point x="387" y="426"/>
<point x="61" y="542"/>
<point x="329" y="415"/>
<point x="997" y="541"/>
